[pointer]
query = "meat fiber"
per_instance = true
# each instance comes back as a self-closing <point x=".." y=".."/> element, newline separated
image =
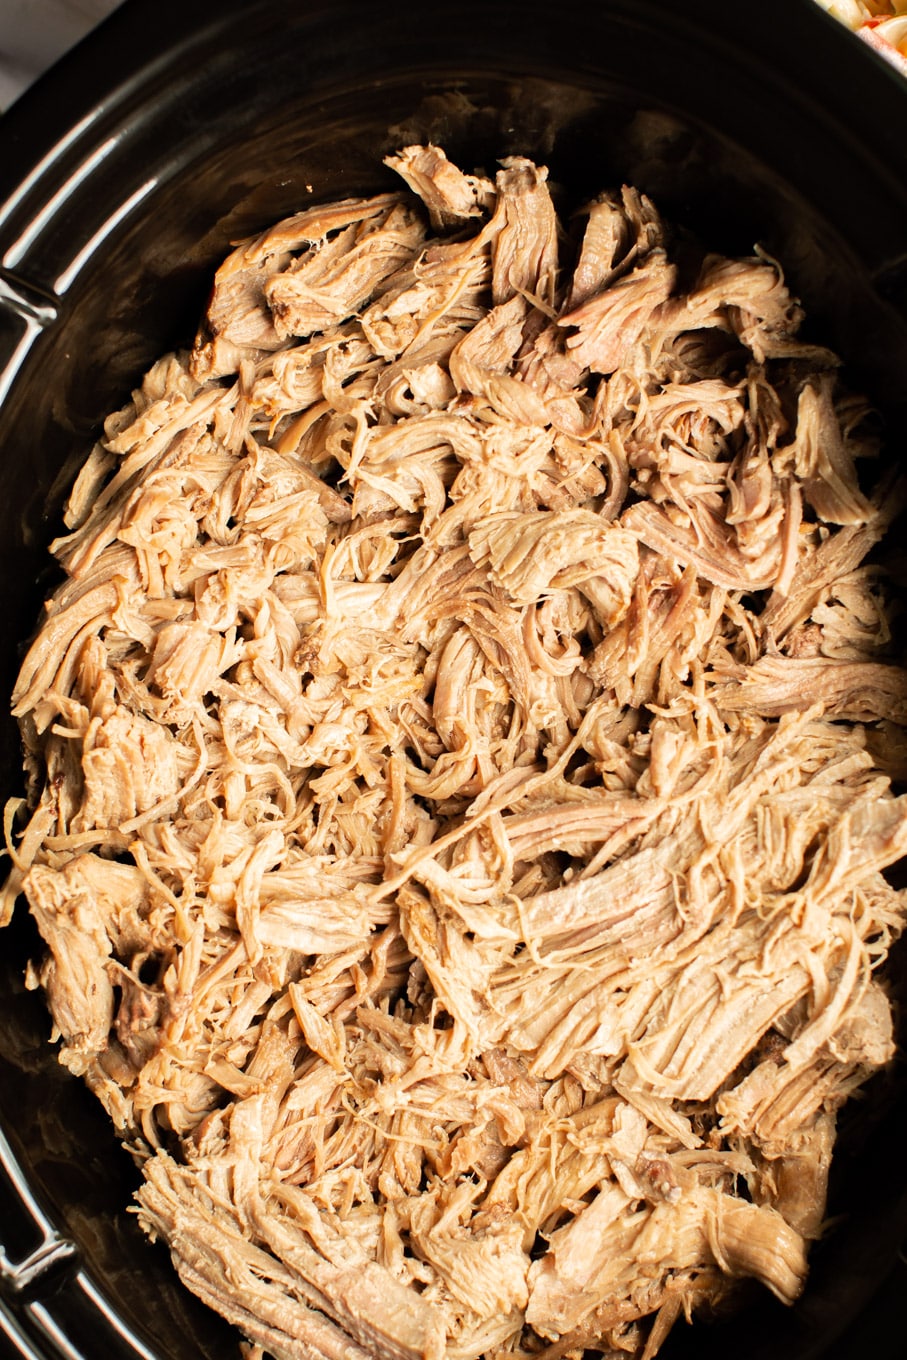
<point x="459" y="756"/>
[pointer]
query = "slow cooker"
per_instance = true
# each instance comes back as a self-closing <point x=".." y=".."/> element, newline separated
<point x="180" y="126"/>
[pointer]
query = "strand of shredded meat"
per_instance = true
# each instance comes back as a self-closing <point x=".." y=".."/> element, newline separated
<point x="459" y="796"/>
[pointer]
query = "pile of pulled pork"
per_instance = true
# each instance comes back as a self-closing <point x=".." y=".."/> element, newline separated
<point x="459" y="762"/>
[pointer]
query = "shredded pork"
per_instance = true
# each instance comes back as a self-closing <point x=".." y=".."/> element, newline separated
<point x="457" y="818"/>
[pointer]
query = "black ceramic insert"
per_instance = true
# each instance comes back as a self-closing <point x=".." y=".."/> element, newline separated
<point x="126" y="172"/>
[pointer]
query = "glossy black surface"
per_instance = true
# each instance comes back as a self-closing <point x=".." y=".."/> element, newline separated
<point x="125" y="174"/>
